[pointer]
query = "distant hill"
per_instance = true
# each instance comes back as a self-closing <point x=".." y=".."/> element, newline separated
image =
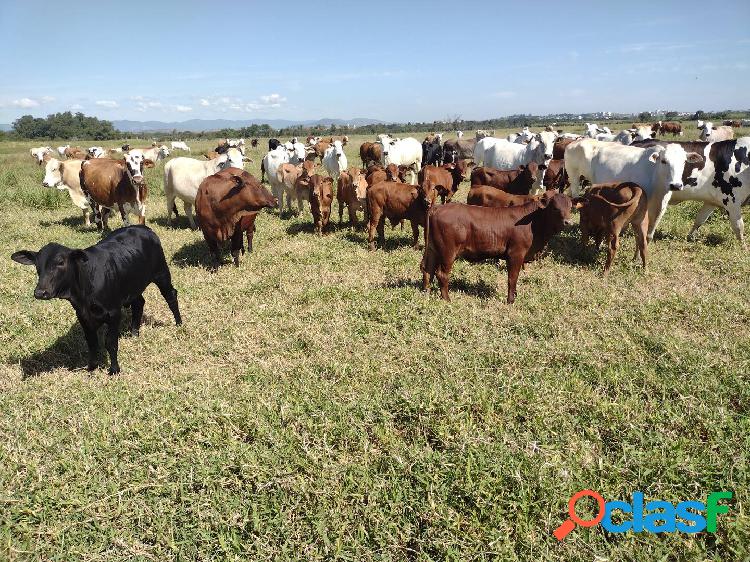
<point x="199" y="125"/>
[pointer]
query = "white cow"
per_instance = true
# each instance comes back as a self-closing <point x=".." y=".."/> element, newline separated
<point x="573" y="136"/>
<point x="483" y="144"/>
<point x="402" y="152"/>
<point x="61" y="150"/>
<point x="271" y="163"/>
<point x="711" y="133"/>
<point x="334" y="160"/>
<point x="39" y="153"/>
<point x="297" y="151"/>
<point x="237" y="143"/>
<point x="97" y="152"/>
<point x="67" y="175"/>
<point x="506" y="155"/>
<point x="179" y="145"/>
<point x="658" y="170"/>
<point x="183" y="176"/>
<point x="722" y="183"/>
<point x="156" y="153"/>
<point x="591" y="130"/>
<point x="459" y="134"/>
<point x="523" y="137"/>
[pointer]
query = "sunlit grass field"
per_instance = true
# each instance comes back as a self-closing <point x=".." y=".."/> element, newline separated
<point x="316" y="405"/>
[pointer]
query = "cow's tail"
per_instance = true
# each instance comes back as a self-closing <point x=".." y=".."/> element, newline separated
<point x="627" y="203"/>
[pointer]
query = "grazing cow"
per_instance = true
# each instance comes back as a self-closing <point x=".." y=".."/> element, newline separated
<point x="555" y="176"/>
<point x="183" y="176"/>
<point x="96" y="152"/>
<point x="370" y="153"/>
<point x="61" y="150"/>
<point x="658" y="170"/>
<point x="489" y="196"/>
<point x="270" y="165"/>
<point x="445" y="179"/>
<point x="736" y="123"/>
<point x="39" y="153"/>
<point x="321" y="197"/>
<point x="334" y="160"/>
<point x="66" y="174"/>
<point x="116" y="184"/>
<point x="516" y="234"/>
<point x="432" y="152"/>
<point x="458" y="149"/>
<point x="522" y="181"/>
<point x="397" y="201"/>
<point x="156" y="153"/>
<point x="710" y="133"/>
<point x="352" y="193"/>
<point x="226" y="206"/>
<point x="179" y="145"/>
<point x="608" y="208"/>
<point x="100" y="280"/>
<point x="402" y="152"/>
<point x="668" y="127"/>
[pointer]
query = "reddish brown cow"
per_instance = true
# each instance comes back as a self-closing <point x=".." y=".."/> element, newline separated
<point x="321" y="197"/>
<point x="606" y="209"/>
<point x="519" y="181"/>
<point x="376" y="173"/>
<point x="226" y="205"/>
<point x="516" y="234"/>
<point x="110" y="184"/>
<point x="445" y="179"/>
<point x="664" y="127"/>
<point x="352" y="193"/>
<point x="397" y="201"/>
<point x="555" y="176"/>
<point x="254" y="143"/>
<point x="302" y="185"/>
<point x="490" y="196"/>
<point x="558" y="149"/>
<point x="72" y="152"/>
<point x="370" y="153"/>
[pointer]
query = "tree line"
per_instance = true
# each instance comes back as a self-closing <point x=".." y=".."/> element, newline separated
<point x="65" y="125"/>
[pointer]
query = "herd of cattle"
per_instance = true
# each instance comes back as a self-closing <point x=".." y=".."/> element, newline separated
<point x="516" y="203"/>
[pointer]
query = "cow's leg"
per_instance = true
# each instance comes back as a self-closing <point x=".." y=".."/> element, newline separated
<point x="514" y="265"/>
<point x="373" y="225"/>
<point x="735" y="219"/>
<point x="106" y="211"/>
<point x="111" y="341"/>
<point x="641" y="245"/>
<point x="136" y="307"/>
<point x="171" y="207"/>
<point x="352" y="208"/>
<point x="189" y="212"/>
<point x="657" y="207"/>
<point x="92" y="341"/>
<point x="237" y="245"/>
<point x="429" y="261"/>
<point x="87" y="217"/>
<point x="250" y="233"/>
<point x="443" y="274"/>
<point x="214" y="250"/>
<point x="415" y="234"/>
<point x="614" y="242"/>
<point x="341" y="213"/>
<point x="700" y="218"/>
<point x="163" y="281"/>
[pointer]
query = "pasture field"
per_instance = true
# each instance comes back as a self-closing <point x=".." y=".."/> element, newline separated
<point x="316" y="405"/>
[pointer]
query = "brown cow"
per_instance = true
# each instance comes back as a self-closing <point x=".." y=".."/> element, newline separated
<point x="352" y="193"/>
<point x="520" y="181"/>
<point x="321" y="198"/>
<point x="733" y="123"/>
<point x="555" y="176"/>
<point x="558" y="149"/>
<point x="254" y="143"/>
<point x="490" y="196"/>
<point x="606" y="209"/>
<point x="664" y="127"/>
<point x="75" y="152"/>
<point x="370" y="153"/>
<point x="456" y="149"/>
<point x="445" y="179"/>
<point x="211" y="154"/>
<point x="397" y="201"/>
<point x="226" y="205"/>
<point x="516" y="234"/>
<point x="116" y="184"/>
<point x="376" y="173"/>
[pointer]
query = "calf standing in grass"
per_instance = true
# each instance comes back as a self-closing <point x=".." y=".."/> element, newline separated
<point x="488" y="196"/>
<point x="445" y="179"/>
<point x="321" y="197"/>
<point x="516" y="234"/>
<point x="398" y="201"/>
<point x="98" y="281"/>
<point x="608" y="208"/>
<point x="352" y="193"/>
<point x="226" y="205"/>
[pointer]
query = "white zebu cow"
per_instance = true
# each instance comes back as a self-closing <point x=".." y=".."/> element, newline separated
<point x="39" y="153"/>
<point x="297" y="151"/>
<point x="61" y="150"/>
<point x="402" y="152"/>
<point x="238" y="144"/>
<point x="179" y="145"/>
<point x="711" y="133"/>
<point x="66" y="174"/>
<point x="334" y="160"/>
<point x="183" y="176"/>
<point x="483" y="144"/>
<point x="591" y="130"/>
<point x="271" y="163"/>
<point x="658" y="170"/>
<point x="506" y="155"/>
<point x="156" y="153"/>
<point x="96" y="152"/>
<point x="573" y="136"/>
<point x="722" y="183"/>
<point x="459" y="134"/>
<point x="524" y="136"/>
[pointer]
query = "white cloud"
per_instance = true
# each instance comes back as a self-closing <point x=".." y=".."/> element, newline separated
<point x="26" y="103"/>
<point x="205" y="103"/>
<point x="108" y="104"/>
<point x="76" y="106"/>
<point x="47" y="99"/>
<point x="273" y="100"/>
<point x="183" y="108"/>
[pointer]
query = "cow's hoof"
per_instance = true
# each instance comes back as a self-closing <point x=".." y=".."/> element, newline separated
<point x="92" y="367"/>
<point x="114" y="371"/>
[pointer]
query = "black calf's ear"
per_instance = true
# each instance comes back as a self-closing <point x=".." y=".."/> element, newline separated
<point x="25" y="257"/>
<point x="78" y="255"/>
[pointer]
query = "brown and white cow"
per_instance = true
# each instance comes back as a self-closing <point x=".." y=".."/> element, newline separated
<point x="66" y="174"/>
<point x="116" y="184"/>
<point x="352" y="193"/>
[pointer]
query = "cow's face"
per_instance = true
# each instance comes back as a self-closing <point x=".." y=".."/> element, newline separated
<point x="591" y="130"/>
<point x="55" y="267"/>
<point x="642" y="133"/>
<point x="547" y="138"/>
<point x="705" y="130"/>
<point x="163" y="151"/>
<point x="52" y="174"/>
<point x="558" y="208"/>
<point x="135" y="161"/>
<point x="234" y="158"/>
<point x="670" y="162"/>
<point x="338" y="149"/>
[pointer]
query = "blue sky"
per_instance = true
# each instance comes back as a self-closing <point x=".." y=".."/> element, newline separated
<point x="392" y="60"/>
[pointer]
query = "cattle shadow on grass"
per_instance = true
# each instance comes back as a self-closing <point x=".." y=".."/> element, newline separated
<point x="180" y="223"/>
<point x="74" y="222"/>
<point x="479" y="288"/>
<point x="193" y="254"/>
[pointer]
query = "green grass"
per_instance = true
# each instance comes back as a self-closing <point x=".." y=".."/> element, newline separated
<point x="316" y="405"/>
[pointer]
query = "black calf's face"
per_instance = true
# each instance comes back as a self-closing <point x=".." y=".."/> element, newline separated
<point x="54" y="266"/>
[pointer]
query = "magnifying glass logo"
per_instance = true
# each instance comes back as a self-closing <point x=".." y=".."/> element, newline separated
<point x="569" y="524"/>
